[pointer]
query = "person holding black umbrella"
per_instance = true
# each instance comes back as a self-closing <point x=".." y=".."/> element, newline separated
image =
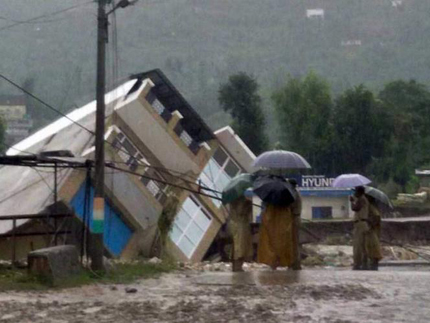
<point x="276" y="243"/>
<point x="360" y="206"/>
<point x="277" y="240"/>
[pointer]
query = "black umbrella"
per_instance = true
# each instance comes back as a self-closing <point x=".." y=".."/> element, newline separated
<point x="274" y="190"/>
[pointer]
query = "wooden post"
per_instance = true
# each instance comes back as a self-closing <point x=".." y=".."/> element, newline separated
<point x="13" y="242"/>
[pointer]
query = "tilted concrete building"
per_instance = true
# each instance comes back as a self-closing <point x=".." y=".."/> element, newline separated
<point x="159" y="149"/>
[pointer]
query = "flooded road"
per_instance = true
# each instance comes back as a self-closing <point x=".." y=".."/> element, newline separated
<point x="311" y="295"/>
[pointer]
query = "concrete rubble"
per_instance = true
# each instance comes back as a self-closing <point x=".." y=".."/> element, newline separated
<point x="317" y="255"/>
<point x="54" y="263"/>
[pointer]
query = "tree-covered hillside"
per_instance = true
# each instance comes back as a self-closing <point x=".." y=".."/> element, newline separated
<point x="199" y="43"/>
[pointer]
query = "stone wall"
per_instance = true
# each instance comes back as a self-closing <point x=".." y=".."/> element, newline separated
<point x="412" y="231"/>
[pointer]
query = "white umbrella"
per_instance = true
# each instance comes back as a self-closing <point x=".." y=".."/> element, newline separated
<point x="351" y="180"/>
<point x="281" y="159"/>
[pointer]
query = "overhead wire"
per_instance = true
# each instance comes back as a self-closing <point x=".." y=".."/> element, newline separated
<point x="35" y="19"/>
<point x="198" y="191"/>
<point x="31" y="21"/>
<point x="45" y="103"/>
<point x="37" y="171"/>
<point x="19" y="150"/>
<point x="85" y="128"/>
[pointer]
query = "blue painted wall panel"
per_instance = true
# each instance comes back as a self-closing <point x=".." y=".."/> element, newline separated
<point x="116" y="233"/>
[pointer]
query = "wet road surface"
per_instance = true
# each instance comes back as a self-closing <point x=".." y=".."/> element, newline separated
<point x="325" y="295"/>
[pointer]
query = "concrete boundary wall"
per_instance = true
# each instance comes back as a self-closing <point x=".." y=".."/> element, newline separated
<point x="413" y="231"/>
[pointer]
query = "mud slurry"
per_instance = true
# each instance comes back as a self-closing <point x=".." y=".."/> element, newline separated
<point x="313" y="296"/>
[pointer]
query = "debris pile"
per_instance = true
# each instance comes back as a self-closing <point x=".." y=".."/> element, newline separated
<point x="314" y="255"/>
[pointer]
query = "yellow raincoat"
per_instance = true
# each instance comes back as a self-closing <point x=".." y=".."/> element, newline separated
<point x="275" y="246"/>
<point x="240" y="229"/>
<point x="373" y="246"/>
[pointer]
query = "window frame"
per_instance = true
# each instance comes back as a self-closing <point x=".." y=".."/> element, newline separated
<point x="221" y="170"/>
<point x="184" y="232"/>
<point x="121" y="137"/>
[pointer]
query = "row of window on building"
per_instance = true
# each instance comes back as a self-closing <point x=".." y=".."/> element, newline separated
<point x="193" y="220"/>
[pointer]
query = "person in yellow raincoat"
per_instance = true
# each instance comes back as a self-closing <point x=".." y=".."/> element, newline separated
<point x="240" y="229"/>
<point x="275" y="245"/>
<point x="296" y="208"/>
<point x="360" y="206"/>
<point x="373" y="246"/>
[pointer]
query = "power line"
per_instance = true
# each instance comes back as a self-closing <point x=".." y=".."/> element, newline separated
<point x="43" y="16"/>
<point x="30" y="22"/>
<point x="19" y="150"/>
<point x="92" y="132"/>
<point x="44" y="103"/>
<point x="199" y="192"/>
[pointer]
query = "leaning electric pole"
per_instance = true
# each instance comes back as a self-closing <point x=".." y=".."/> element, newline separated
<point x="96" y="241"/>
<point x="97" y="246"/>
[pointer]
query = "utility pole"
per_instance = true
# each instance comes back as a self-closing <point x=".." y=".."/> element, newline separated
<point x="96" y="241"/>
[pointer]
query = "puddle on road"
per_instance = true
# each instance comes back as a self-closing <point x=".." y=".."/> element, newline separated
<point x="288" y="277"/>
<point x="262" y="278"/>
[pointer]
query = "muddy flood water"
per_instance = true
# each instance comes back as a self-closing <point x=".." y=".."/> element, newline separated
<point x="311" y="295"/>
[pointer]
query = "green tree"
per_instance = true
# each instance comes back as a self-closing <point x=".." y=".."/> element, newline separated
<point x="407" y="103"/>
<point x="360" y="131"/>
<point x="239" y="97"/>
<point x="304" y="108"/>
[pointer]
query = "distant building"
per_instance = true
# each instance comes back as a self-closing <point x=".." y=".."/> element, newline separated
<point x="396" y="3"/>
<point x="320" y="200"/>
<point x="424" y="177"/>
<point x="351" y="42"/>
<point x="13" y="111"/>
<point x="315" y="13"/>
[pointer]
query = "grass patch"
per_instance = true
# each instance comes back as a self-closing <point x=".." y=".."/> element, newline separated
<point x="123" y="273"/>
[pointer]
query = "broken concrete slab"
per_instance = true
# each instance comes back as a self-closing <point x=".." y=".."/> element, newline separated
<point x="54" y="263"/>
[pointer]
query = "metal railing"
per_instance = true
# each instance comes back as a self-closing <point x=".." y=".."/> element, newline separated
<point x="14" y="234"/>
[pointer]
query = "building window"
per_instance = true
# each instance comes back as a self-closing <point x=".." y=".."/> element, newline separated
<point x="128" y="152"/>
<point x="133" y="158"/>
<point x="322" y="212"/>
<point x="157" y="188"/>
<point x="190" y="225"/>
<point x="186" y="138"/>
<point x="158" y="106"/>
<point x="218" y="172"/>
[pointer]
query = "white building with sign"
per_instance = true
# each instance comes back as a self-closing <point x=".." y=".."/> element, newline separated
<point x="320" y="200"/>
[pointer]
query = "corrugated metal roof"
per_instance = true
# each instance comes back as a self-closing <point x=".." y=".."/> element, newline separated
<point x="27" y="190"/>
<point x="36" y="141"/>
